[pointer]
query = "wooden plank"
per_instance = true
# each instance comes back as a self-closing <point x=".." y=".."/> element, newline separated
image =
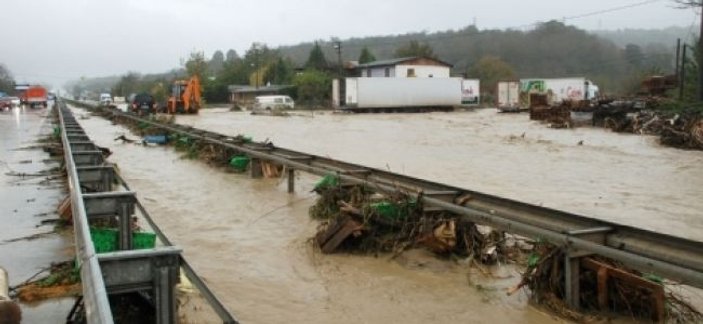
<point x="349" y="227"/>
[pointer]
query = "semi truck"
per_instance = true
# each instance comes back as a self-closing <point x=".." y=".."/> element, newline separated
<point x="403" y="94"/>
<point x="508" y="95"/>
<point x="558" y="90"/>
<point x="34" y="96"/>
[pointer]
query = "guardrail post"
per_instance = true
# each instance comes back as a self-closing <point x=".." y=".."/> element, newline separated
<point x="291" y="180"/>
<point x="125" y="219"/>
<point x="572" y="263"/>
<point x="255" y="168"/>
<point x="572" y="271"/>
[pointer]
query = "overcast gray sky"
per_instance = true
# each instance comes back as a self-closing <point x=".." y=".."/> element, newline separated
<point x="54" y="41"/>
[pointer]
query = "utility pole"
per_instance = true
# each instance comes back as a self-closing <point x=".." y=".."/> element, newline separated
<point x="683" y="72"/>
<point x="678" y="55"/>
<point x="338" y="47"/>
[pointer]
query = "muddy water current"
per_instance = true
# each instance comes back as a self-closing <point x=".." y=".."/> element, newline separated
<point x="250" y="239"/>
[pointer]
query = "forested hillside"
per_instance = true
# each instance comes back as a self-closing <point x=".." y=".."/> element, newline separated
<point x="615" y="60"/>
<point x="549" y="50"/>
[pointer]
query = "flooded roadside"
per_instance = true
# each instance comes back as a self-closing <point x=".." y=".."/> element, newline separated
<point x="621" y="178"/>
<point x="28" y="206"/>
<point x="249" y="240"/>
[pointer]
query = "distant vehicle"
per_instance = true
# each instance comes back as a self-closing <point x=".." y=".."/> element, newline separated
<point x="120" y="103"/>
<point x="274" y="102"/>
<point x="402" y="94"/>
<point x="34" y="96"/>
<point x="508" y="93"/>
<point x="5" y="103"/>
<point x="143" y="104"/>
<point x="105" y="99"/>
<point x="185" y="97"/>
<point x="558" y="90"/>
<point x="14" y="100"/>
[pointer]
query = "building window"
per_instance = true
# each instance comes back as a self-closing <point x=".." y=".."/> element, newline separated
<point x="411" y="73"/>
<point x="387" y="72"/>
<point x="368" y="73"/>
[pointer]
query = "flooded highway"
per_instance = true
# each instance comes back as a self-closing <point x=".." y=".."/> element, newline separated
<point x="28" y="204"/>
<point x="250" y="239"/>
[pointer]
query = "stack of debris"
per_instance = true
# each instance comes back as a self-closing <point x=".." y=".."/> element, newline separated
<point x="357" y="219"/>
<point x="605" y="286"/>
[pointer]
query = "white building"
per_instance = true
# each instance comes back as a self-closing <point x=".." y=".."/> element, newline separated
<point x="406" y="67"/>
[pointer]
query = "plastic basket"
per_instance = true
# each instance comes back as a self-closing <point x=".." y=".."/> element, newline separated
<point x="105" y="240"/>
<point x="143" y="240"/>
<point x="239" y="162"/>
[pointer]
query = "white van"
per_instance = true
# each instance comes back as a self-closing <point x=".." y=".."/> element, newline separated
<point x="105" y="99"/>
<point x="273" y="102"/>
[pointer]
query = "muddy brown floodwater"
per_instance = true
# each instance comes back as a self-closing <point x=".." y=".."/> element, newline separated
<point x="250" y="239"/>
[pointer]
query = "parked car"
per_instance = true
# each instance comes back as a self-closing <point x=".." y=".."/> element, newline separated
<point x="15" y="101"/>
<point x="143" y="104"/>
<point x="5" y="103"/>
<point x="273" y="102"/>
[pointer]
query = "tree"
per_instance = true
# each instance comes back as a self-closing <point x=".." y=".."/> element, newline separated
<point x="196" y="65"/>
<point x="7" y="82"/>
<point x="316" y="59"/>
<point x="232" y="55"/>
<point x="280" y="72"/>
<point x="633" y="55"/>
<point x="414" y="48"/>
<point x="128" y="84"/>
<point x="313" y="86"/>
<point x="216" y="62"/>
<point x="490" y="70"/>
<point x="366" y="56"/>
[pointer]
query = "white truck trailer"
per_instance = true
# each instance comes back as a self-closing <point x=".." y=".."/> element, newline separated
<point x="560" y="89"/>
<point x="508" y="95"/>
<point x="402" y="94"/>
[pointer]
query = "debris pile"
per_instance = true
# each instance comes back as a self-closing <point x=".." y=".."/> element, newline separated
<point x="357" y="219"/>
<point x="605" y="285"/>
<point x="677" y="129"/>
<point x="63" y="280"/>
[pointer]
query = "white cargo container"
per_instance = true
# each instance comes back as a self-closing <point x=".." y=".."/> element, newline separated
<point x="508" y="94"/>
<point x="401" y="93"/>
<point x="561" y="89"/>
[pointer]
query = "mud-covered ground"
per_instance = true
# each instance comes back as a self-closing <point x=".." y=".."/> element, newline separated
<point x="249" y="238"/>
<point x="26" y="244"/>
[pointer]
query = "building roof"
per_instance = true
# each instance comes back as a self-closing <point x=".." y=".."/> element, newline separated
<point x="397" y="61"/>
<point x="251" y="89"/>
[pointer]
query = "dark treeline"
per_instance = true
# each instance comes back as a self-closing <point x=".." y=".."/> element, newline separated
<point x="551" y="49"/>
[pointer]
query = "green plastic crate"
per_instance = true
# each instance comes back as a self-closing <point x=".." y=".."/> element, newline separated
<point x="327" y="181"/>
<point x="105" y="240"/>
<point x="143" y="240"/>
<point x="239" y="162"/>
<point x="386" y="209"/>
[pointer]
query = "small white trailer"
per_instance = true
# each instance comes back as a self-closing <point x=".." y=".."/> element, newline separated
<point x="508" y="96"/>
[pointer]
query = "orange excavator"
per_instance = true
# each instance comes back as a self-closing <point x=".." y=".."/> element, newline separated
<point x="185" y="97"/>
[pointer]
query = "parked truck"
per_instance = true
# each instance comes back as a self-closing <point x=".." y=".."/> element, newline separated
<point x="508" y="95"/>
<point x="35" y="96"/>
<point x="402" y="94"/>
<point x="558" y="90"/>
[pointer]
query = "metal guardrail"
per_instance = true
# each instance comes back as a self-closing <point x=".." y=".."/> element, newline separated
<point x="97" y="307"/>
<point x="126" y="270"/>
<point x="669" y="256"/>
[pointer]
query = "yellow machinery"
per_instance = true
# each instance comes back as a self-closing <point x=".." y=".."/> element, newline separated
<point x="185" y="97"/>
